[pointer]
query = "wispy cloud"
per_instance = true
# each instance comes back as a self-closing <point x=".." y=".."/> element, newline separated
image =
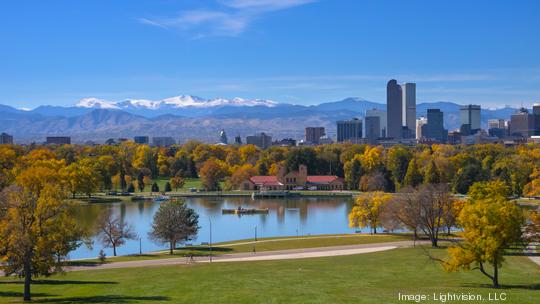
<point x="232" y="18"/>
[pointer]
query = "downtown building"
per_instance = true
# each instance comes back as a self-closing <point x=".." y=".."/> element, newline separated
<point x="313" y="135"/>
<point x="401" y="110"/>
<point x="433" y="129"/>
<point x="163" y="141"/>
<point x="6" y="139"/>
<point x="142" y="140"/>
<point x="470" y="119"/>
<point x="260" y="140"/>
<point x="524" y="124"/>
<point x="58" y="140"/>
<point x="349" y="131"/>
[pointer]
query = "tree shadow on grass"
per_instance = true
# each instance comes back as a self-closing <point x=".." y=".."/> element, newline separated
<point x="16" y="294"/>
<point x="204" y="248"/>
<point x="59" y="282"/>
<point x="104" y="299"/>
<point x="533" y="286"/>
<point x="84" y="263"/>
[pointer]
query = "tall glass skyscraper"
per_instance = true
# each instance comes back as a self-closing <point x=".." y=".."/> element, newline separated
<point x="409" y="107"/>
<point x="394" y="109"/>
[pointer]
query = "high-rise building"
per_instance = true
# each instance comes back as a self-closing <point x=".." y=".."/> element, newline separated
<point x="524" y="124"/>
<point x="238" y="140"/>
<point x="409" y="107"/>
<point x="373" y="129"/>
<point x="419" y="123"/>
<point x="260" y="140"/>
<point x="470" y="119"/>
<point x="394" y="109"/>
<point x="434" y="128"/>
<point x="6" y="139"/>
<point x="143" y="140"/>
<point x="382" y="120"/>
<point x="313" y="134"/>
<point x="58" y="140"/>
<point x="496" y="124"/>
<point x="349" y="130"/>
<point x="223" y="137"/>
<point x="163" y="141"/>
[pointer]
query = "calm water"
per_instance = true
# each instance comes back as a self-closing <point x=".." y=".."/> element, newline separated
<point x="287" y="217"/>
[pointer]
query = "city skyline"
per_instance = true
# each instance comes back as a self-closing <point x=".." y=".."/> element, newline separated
<point x="58" y="53"/>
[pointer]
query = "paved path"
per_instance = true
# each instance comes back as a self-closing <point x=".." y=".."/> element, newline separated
<point x="259" y="256"/>
<point x="531" y="250"/>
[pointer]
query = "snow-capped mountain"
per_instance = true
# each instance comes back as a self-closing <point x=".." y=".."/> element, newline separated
<point x="183" y="101"/>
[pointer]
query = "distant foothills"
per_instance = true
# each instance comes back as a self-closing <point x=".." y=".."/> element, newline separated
<point x="190" y="117"/>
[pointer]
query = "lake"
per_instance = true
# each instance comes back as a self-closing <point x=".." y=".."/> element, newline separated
<point x="286" y="217"/>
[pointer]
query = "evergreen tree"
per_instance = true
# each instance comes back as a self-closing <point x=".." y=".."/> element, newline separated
<point x="413" y="177"/>
<point x="131" y="188"/>
<point x="155" y="187"/>
<point x="168" y="187"/>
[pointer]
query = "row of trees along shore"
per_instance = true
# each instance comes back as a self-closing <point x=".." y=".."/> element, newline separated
<point x="129" y="166"/>
<point x="38" y="229"/>
<point x="488" y="224"/>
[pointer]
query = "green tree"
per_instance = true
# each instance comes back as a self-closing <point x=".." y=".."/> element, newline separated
<point x="413" y="177"/>
<point x="168" y="187"/>
<point x="397" y="161"/>
<point x="173" y="223"/>
<point x="432" y="175"/>
<point x="131" y="188"/>
<point x="353" y="172"/>
<point x="155" y="187"/>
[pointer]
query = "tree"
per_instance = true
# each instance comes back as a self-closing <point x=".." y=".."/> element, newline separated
<point x="173" y="223"/>
<point x="432" y="175"/>
<point x="167" y="187"/>
<point x="81" y="177"/>
<point x="131" y="188"/>
<point x="353" y="172"/>
<point x="397" y="161"/>
<point x="413" y="178"/>
<point x="212" y="172"/>
<point x="434" y="203"/>
<point x="490" y="224"/>
<point x="467" y="175"/>
<point x="239" y="176"/>
<point x="37" y="230"/>
<point x="532" y="229"/>
<point x="177" y="182"/>
<point x="140" y="181"/>
<point x="155" y="187"/>
<point x="112" y="231"/>
<point x="367" y="210"/>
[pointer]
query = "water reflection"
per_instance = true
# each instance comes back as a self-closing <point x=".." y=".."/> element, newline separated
<point x="286" y="217"/>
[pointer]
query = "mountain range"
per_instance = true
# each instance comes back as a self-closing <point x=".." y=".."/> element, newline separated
<point x="190" y="117"/>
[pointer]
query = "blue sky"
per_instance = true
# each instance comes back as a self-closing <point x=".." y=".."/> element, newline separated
<point x="296" y="51"/>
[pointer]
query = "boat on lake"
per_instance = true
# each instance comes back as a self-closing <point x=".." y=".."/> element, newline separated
<point x="241" y="210"/>
<point x="161" y="198"/>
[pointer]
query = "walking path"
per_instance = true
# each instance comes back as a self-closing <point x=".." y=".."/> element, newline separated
<point x="259" y="256"/>
<point x="530" y="251"/>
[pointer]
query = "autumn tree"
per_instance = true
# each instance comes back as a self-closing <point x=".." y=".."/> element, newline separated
<point x="532" y="229"/>
<point x="81" y="177"/>
<point x="490" y="224"/>
<point x="112" y="231"/>
<point x="212" y="173"/>
<point x="413" y="177"/>
<point x="177" y="182"/>
<point x="432" y="175"/>
<point x="397" y="161"/>
<point x="37" y="230"/>
<point x="353" y="172"/>
<point x="367" y="210"/>
<point x="239" y="176"/>
<point x="174" y="223"/>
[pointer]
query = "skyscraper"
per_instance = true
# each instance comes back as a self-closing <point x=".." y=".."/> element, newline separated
<point x="470" y="119"/>
<point x="523" y="124"/>
<point x="382" y="120"/>
<point x="409" y="107"/>
<point x="394" y="109"/>
<point x="144" y="140"/>
<point x="434" y="128"/>
<point x="373" y="129"/>
<point x="419" y="123"/>
<point x="313" y="134"/>
<point x="260" y="140"/>
<point x="6" y="139"/>
<point x="349" y="130"/>
<point x="223" y="137"/>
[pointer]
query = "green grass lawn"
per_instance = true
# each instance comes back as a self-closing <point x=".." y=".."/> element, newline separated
<point x="264" y="244"/>
<point x="365" y="278"/>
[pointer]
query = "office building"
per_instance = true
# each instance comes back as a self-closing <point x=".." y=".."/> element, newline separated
<point x="238" y="140"/>
<point x="470" y="119"/>
<point x="163" y="141"/>
<point x="497" y="128"/>
<point x="286" y="142"/>
<point x="313" y="134"/>
<point x="143" y="140"/>
<point x="223" y="137"/>
<point x="6" y="139"/>
<point x="434" y="128"/>
<point x="524" y="124"/>
<point x="419" y="123"/>
<point x="394" y="109"/>
<point x="408" y="104"/>
<point x="382" y="120"/>
<point x="58" y="140"/>
<point x="373" y="129"/>
<point x="261" y="140"/>
<point x="349" y="130"/>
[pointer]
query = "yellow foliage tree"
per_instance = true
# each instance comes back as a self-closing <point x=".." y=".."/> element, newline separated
<point x="490" y="224"/>
<point x="367" y="210"/>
